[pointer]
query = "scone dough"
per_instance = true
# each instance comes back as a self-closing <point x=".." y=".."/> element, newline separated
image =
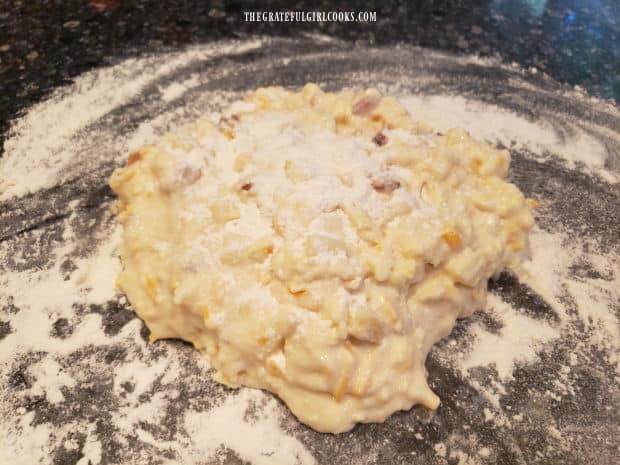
<point x="317" y="245"/>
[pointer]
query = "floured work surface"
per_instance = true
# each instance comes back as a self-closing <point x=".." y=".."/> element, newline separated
<point x="533" y="379"/>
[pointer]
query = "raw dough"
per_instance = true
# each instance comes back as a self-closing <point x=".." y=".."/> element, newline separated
<point x="317" y="245"/>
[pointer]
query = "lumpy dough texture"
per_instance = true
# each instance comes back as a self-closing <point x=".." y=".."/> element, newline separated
<point x="317" y="245"/>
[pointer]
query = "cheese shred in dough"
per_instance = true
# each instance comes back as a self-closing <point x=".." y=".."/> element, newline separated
<point x="317" y="245"/>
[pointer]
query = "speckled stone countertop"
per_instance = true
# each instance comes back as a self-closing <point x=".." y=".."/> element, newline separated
<point x="44" y="44"/>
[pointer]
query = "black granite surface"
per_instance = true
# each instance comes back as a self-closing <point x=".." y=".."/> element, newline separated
<point x="44" y="44"/>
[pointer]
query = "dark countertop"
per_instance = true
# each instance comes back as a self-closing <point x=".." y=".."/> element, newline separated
<point x="44" y="44"/>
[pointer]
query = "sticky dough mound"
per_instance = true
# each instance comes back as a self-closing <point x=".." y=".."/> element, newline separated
<point x="317" y="245"/>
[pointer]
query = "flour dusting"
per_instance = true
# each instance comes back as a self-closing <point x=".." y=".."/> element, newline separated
<point x="517" y="341"/>
<point x="43" y="142"/>
<point x="497" y="125"/>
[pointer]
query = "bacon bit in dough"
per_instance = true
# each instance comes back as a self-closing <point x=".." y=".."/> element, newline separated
<point x="246" y="186"/>
<point x="385" y="185"/>
<point x="380" y="139"/>
<point x="224" y="121"/>
<point x="364" y="106"/>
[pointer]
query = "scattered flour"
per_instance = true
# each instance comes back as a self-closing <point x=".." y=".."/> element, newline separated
<point x="44" y="297"/>
<point x="521" y="337"/>
<point x="49" y="378"/>
<point x="497" y="125"/>
<point x="517" y="341"/>
<point x="176" y="89"/>
<point x="253" y="440"/>
<point x="42" y="142"/>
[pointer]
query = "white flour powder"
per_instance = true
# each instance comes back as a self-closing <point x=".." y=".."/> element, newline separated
<point x="496" y="125"/>
<point x="43" y="142"/>
<point x="49" y="139"/>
